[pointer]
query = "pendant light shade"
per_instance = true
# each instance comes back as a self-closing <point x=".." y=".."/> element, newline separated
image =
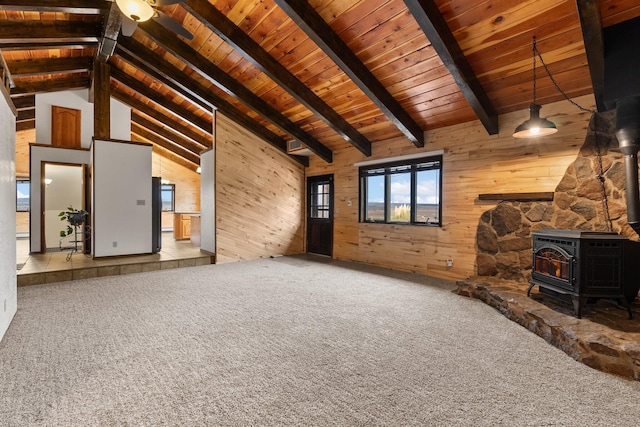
<point x="136" y="10"/>
<point x="535" y="126"/>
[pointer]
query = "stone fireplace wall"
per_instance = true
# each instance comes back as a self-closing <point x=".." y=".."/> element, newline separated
<point x="580" y="201"/>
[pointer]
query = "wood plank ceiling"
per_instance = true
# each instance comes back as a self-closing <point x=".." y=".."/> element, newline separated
<point x="323" y="72"/>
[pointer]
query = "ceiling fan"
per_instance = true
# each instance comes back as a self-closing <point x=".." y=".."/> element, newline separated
<point x="135" y="11"/>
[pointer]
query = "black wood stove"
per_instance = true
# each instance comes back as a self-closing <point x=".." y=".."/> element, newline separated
<point x="576" y="266"/>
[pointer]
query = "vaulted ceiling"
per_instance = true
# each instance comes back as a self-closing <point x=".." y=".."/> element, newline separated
<point x="322" y="72"/>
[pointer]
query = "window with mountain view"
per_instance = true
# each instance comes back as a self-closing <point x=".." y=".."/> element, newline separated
<point x="168" y="196"/>
<point x="406" y="192"/>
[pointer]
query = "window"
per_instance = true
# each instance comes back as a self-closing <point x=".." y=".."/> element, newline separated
<point x="168" y="196"/>
<point x="320" y="199"/>
<point x="404" y="192"/>
<point x="23" y="195"/>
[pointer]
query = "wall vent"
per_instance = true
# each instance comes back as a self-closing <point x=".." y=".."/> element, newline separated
<point x="298" y="148"/>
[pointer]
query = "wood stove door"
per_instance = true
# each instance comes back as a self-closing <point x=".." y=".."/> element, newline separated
<point x="553" y="266"/>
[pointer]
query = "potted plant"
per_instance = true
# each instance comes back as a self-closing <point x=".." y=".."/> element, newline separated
<point x="74" y="217"/>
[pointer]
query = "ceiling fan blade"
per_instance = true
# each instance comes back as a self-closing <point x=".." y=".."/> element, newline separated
<point x="128" y="26"/>
<point x="170" y="24"/>
<point x="167" y="2"/>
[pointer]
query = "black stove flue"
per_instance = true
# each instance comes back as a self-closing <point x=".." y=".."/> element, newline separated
<point x="577" y="266"/>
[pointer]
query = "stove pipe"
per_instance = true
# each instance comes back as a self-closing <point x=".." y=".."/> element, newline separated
<point x="628" y="133"/>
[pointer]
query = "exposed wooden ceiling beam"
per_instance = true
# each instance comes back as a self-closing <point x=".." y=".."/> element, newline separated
<point x="167" y="133"/>
<point x="89" y="7"/>
<point x="24" y="102"/>
<point x="310" y="21"/>
<point x="37" y="66"/>
<point x="172" y="122"/>
<point x="591" y="22"/>
<point x="137" y="54"/>
<point x="215" y="20"/>
<point x="151" y="67"/>
<point x="183" y="51"/>
<point x="164" y="143"/>
<point x="36" y="45"/>
<point x="26" y="114"/>
<point x="49" y="31"/>
<point x="144" y="90"/>
<point x="171" y="156"/>
<point x="140" y="106"/>
<point x="25" y="86"/>
<point x="428" y="16"/>
<point x="250" y="125"/>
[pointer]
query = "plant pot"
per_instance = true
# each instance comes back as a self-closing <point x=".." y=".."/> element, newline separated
<point x="76" y="218"/>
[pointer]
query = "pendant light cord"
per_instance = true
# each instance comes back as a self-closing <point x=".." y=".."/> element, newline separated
<point x="600" y="172"/>
<point x="535" y="51"/>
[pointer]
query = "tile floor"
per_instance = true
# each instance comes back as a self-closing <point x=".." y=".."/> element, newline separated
<point x="54" y="267"/>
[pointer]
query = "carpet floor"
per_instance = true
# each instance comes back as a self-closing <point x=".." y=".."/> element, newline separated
<point x="287" y="341"/>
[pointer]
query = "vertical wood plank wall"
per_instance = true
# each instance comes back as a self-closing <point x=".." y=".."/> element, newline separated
<point x="473" y="163"/>
<point x="259" y="197"/>
<point x="23" y="139"/>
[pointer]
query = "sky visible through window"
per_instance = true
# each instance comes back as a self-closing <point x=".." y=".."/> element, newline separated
<point x="167" y="196"/>
<point x="427" y="186"/>
<point x="23" y="191"/>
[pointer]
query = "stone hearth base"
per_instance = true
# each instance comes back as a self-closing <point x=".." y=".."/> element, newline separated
<point x="604" y="339"/>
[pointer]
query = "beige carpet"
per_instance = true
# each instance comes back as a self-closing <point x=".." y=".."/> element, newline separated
<point x="287" y="341"/>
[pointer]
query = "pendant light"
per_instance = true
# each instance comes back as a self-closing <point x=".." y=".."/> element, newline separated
<point x="535" y="126"/>
<point x="136" y="10"/>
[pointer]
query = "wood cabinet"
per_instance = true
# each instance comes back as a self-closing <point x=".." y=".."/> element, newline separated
<point x="65" y="127"/>
<point x="181" y="226"/>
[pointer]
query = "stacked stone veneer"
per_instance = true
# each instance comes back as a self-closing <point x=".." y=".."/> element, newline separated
<point x="504" y="233"/>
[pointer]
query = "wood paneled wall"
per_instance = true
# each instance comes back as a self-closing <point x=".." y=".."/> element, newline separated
<point x="473" y="163"/>
<point x="187" y="182"/>
<point x="23" y="139"/>
<point x="22" y="222"/>
<point x="259" y="197"/>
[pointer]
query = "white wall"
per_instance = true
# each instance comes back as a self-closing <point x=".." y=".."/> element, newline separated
<point x="40" y="154"/>
<point x="78" y="99"/>
<point x="121" y="198"/>
<point x="207" y="201"/>
<point x="8" y="286"/>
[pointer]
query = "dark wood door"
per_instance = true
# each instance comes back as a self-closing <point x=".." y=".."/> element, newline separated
<point x="320" y="215"/>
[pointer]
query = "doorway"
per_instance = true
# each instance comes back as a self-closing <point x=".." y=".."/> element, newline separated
<point x="320" y="215"/>
<point x="63" y="185"/>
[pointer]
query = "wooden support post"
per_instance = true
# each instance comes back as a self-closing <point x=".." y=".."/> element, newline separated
<point x="101" y="100"/>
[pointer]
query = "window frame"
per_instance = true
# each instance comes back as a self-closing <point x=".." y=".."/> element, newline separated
<point x="23" y="180"/>
<point x="387" y="170"/>
<point x="173" y="197"/>
<point x="314" y="206"/>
